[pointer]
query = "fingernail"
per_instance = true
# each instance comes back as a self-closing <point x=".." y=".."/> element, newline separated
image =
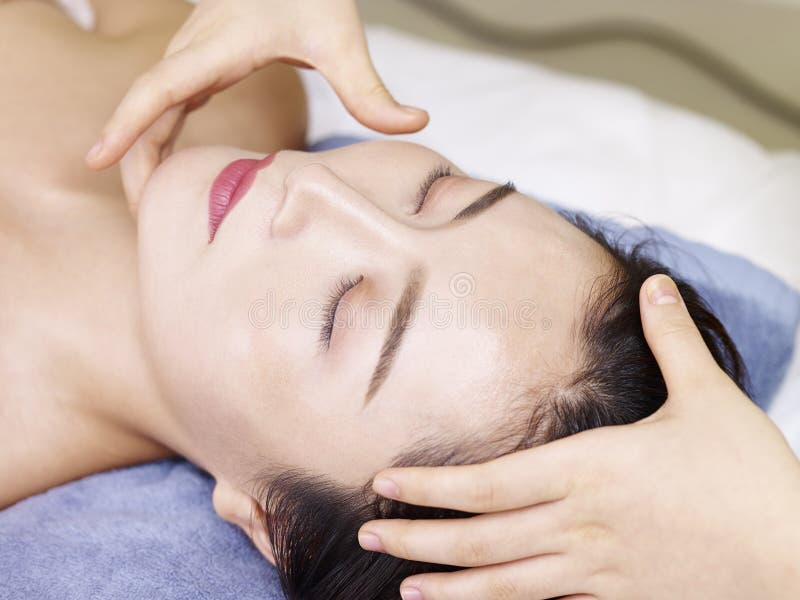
<point x="410" y="593"/>
<point x="386" y="488"/>
<point x="95" y="151"/>
<point x="662" y="290"/>
<point x="371" y="542"/>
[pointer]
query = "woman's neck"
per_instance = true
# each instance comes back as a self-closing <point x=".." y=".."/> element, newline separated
<point x="75" y="335"/>
<point x="125" y="398"/>
<point x="80" y="395"/>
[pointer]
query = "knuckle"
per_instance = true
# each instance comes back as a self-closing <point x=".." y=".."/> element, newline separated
<point x="150" y="86"/>
<point x="400" y="544"/>
<point x="502" y="588"/>
<point x="680" y="334"/>
<point x="377" y="88"/>
<point x="675" y="327"/>
<point x="590" y="534"/>
<point x="473" y="553"/>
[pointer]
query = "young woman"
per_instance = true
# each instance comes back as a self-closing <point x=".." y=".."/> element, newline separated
<point x="292" y="322"/>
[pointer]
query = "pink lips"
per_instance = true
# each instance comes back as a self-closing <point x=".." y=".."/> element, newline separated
<point x="229" y="187"/>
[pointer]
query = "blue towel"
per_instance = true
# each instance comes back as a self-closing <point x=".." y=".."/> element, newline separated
<point x="150" y="531"/>
<point x="146" y="532"/>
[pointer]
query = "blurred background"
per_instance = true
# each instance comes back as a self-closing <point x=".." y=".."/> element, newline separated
<point x="737" y="61"/>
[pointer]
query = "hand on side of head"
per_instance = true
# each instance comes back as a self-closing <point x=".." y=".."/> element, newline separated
<point x="221" y="43"/>
<point x="706" y="485"/>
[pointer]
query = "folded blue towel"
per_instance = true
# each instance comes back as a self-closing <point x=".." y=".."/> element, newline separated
<point x="146" y="532"/>
<point x="150" y="531"/>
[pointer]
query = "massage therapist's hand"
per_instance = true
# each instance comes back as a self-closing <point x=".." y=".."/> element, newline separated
<point x="221" y="43"/>
<point x="700" y="500"/>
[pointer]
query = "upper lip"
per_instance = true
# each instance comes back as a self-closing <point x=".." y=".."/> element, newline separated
<point x="228" y="188"/>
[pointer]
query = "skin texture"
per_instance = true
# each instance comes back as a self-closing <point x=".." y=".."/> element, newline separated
<point x="248" y="387"/>
<point x="585" y="528"/>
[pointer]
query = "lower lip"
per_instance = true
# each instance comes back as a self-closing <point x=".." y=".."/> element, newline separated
<point x="229" y="187"/>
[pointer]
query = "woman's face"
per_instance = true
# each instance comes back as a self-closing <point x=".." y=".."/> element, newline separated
<point x="331" y="325"/>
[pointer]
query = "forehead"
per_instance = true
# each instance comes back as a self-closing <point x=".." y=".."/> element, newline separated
<point x="496" y="317"/>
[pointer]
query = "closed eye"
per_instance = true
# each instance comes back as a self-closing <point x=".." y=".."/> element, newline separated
<point x="434" y="175"/>
<point x="344" y="285"/>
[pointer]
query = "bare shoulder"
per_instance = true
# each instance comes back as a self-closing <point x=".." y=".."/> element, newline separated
<point x="45" y="445"/>
<point x="33" y="459"/>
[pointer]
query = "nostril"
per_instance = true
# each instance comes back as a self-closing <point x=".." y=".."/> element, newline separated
<point x="285" y="223"/>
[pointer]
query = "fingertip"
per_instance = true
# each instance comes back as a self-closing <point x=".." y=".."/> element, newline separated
<point x="660" y="290"/>
<point x="676" y="342"/>
<point x="105" y="153"/>
<point x="419" y="117"/>
<point x="370" y="541"/>
<point x="410" y="589"/>
<point x="386" y="487"/>
<point x="94" y="155"/>
<point x="397" y="120"/>
<point x="414" y="111"/>
<point x="411" y="118"/>
<point x="660" y="305"/>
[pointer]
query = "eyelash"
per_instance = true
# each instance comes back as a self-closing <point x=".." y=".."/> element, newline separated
<point x="433" y="176"/>
<point x="344" y="285"/>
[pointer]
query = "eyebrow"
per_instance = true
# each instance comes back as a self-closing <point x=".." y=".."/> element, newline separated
<point x="411" y="292"/>
<point x="397" y="328"/>
<point x="488" y="199"/>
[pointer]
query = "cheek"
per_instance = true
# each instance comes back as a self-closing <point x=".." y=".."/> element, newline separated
<point x="173" y="215"/>
<point x="202" y="348"/>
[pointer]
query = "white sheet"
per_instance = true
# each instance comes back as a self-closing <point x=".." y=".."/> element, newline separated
<point x="597" y="146"/>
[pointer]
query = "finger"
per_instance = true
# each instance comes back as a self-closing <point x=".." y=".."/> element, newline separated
<point x="177" y="78"/>
<point x="152" y="147"/>
<point x="482" y="540"/>
<point x="541" y="474"/>
<point x="359" y="87"/>
<point x="539" y="578"/>
<point x="676" y="343"/>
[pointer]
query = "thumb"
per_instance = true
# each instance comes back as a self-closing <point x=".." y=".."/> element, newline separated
<point x="683" y="357"/>
<point x="358" y="85"/>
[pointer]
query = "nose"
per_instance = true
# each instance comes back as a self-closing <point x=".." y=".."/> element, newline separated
<point x="315" y="198"/>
